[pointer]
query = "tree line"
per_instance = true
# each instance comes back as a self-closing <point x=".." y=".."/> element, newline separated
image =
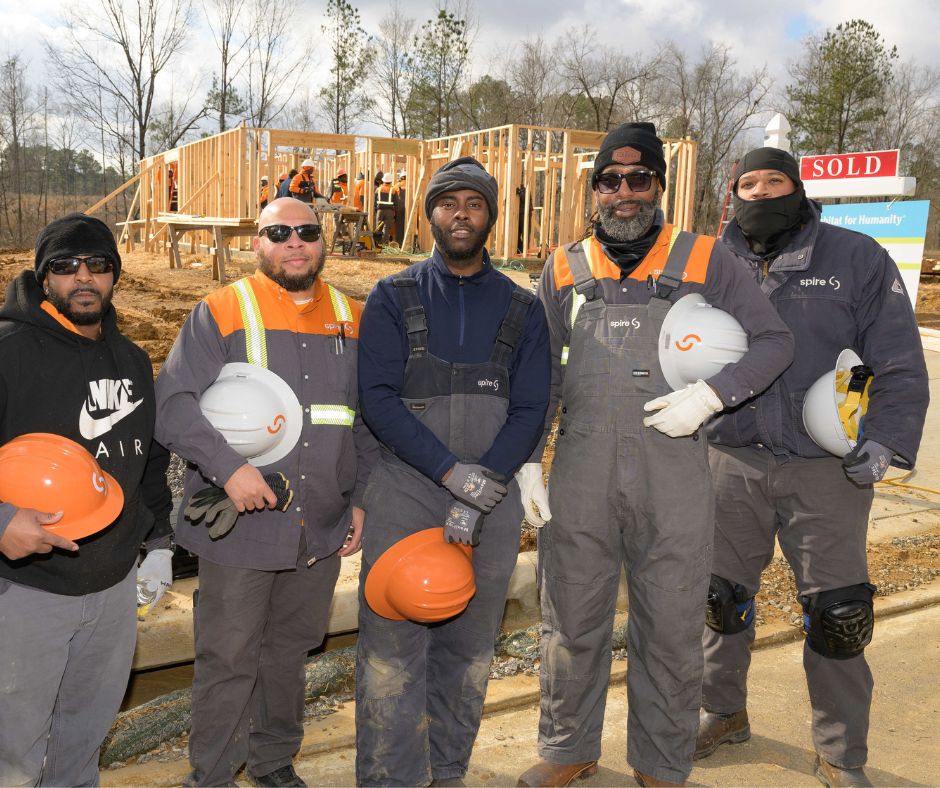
<point x="115" y="65"/>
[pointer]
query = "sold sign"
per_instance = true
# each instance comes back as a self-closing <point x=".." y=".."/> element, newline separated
<point x="868" y="164"/>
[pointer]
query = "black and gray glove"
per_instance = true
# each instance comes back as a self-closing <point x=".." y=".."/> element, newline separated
<point x="475" y="486"/>
<point x="462" y="524"/>
<point x="868" y="462"/>
<point x="214" y="508"/>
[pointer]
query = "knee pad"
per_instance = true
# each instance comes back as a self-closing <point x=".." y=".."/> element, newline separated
<point x="728" y="609"/>
<point x="839" y="623"/>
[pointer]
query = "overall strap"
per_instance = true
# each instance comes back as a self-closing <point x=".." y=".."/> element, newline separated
<point x="680" y="250"/>
<point x="584" y="282"/>
<point x="416" y="320"/>
<point x="507" y="338"/>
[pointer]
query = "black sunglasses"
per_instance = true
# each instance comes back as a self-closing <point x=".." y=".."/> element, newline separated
<point x="65" y="266"/>
<point x="637" y="181"/>
<point x="280" y="233"/>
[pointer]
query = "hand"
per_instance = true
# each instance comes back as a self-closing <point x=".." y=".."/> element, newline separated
<point x="462" y="524"/>
<point x="683" y="412"/>
<point x="353" y="543"/>
<point x="248" y="489"/>
<point x="154" y="577"/>
<point x="475" y="485"/>
<point x="25" y="535"/>
<point x="868" y="462"/>
<point x="534" y="494"/>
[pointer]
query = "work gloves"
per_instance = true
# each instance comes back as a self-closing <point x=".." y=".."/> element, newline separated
<point x="683" y="412"/>
<point x="534" y="494"/>
<point x="213" y="507"/>
<point x="462" y="524"/>
<point x="475" y="486"/>
<point x="868" y="462"/>
<point x="154" y="577"/>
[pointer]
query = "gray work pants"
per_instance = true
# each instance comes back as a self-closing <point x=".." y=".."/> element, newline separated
<point x="420" y="687"/>
<point x="64" y="664"/>
<point x="624" y="495"/>
<point x="821" y="520"/>
<point x="253" y="630"/>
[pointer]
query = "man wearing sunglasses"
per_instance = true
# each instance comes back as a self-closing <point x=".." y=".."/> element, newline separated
<point x="265" y="586"/>
<point x="68" y="609"/>
<point x="629" y="489"/>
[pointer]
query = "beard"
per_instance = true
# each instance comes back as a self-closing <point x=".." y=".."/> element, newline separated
<point x="476" y="243"/>
<point x="628" y="229"/>
<point x="80" y="316"/>
<point x="292" y="283"/>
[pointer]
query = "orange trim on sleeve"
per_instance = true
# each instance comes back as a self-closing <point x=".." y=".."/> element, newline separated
<point x="56" y="315"/>
<point x="655" y="260"/>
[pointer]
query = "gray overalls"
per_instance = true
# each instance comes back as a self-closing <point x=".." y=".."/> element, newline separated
<point x="623" y="494"/>
<point x="420" y="688"/>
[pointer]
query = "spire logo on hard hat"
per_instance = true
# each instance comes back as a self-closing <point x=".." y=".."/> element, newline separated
<point x="688" y="342"/>
<point x="279" y="421"/>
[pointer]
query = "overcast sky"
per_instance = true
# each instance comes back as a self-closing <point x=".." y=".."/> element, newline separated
<point x="759" y="32"/>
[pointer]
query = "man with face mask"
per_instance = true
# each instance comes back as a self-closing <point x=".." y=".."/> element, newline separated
<point x="835" y="289"/>
<point x="628" y="488"/>
<point x="454" y="381"/>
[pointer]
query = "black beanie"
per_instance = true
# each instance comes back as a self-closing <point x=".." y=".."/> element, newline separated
<point x="639" y="136"/>
<point x="463" y="173"/>
<point x="75" y="234"/>
<point x="768" y="159"/>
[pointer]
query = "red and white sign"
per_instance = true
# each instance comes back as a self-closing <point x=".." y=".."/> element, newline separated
<point x="867" y="164"/>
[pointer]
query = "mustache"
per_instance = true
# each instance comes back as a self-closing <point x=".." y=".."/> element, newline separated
<point x="80" y="290"/>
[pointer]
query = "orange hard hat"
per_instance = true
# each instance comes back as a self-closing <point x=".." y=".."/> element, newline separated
<point x="421" y="578"/>
<point x="340" y="173"/>
<point x="50" y="473"/>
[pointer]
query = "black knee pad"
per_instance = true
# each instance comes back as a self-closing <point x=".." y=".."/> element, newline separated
<point x="728" y="609"/>
<point x="839" y="623"/>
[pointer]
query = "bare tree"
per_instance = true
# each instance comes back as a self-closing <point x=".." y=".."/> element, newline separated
<point x="273" y="71"/>
<point x="17" y="124"/>
<point x="224" y="18"/>
<point x="391" y="69"/>
<point x="535" y="83"/>
<point x="345" y="99"/>
<point x="175" y="117"/>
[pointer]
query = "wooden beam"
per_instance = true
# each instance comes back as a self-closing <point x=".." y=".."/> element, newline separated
<point x="115" y="193"/>
<point x="201" y="189"/>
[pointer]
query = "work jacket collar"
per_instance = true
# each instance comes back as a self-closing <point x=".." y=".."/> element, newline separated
<point x="795" y="256"/>
<point x="263" y="281"/>
<point x="441" y="269"/>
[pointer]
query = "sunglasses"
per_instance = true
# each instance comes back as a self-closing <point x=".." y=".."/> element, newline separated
<point x="637" y="181"/>
<point x="66" y="266"/>
<point x="280" y="233"/>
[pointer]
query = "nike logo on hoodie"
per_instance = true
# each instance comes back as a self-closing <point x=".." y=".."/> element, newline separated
<point x="111" y="398"/>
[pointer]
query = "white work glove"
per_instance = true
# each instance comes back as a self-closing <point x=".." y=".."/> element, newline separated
<point x="534" y="494"/>
<point x="683" y="412"/>
<point x="154" y="577"/>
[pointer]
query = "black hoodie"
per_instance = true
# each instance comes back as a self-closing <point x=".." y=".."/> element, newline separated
<point x="100" y="394"/>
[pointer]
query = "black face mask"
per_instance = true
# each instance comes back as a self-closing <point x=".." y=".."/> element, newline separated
<point x="768" y="224"/>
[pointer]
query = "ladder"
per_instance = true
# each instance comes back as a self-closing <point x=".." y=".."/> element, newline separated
<point x="727" y="209"/>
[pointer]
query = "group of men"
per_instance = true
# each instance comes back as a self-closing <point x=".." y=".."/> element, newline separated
<point x="430" y="406"/>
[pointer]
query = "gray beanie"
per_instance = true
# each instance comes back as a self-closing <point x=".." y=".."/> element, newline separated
<point x="463" y="173"/>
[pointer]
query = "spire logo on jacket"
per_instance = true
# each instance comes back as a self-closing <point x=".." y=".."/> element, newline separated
<point x="107" y="403"/>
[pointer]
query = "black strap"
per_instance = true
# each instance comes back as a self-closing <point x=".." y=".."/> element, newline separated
<point x="671" y="276"/>
<point x="507" y="338"/>
<point x="416" y="319"/>
<point x="584" y="282"/>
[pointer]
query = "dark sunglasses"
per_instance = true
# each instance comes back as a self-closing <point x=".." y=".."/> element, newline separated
<point x="637" y="181"/>
<point x="280" y="233"/>
<point x="65" y="266"/>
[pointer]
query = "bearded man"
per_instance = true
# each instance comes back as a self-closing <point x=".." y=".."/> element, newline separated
<point x="628" y="491"/>
<point x="453" y="381"/>
<point x="266" y="583"/>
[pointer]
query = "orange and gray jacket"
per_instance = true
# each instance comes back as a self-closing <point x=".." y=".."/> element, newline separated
<point x="313" y="347"/>
<point x="711" y="270"/>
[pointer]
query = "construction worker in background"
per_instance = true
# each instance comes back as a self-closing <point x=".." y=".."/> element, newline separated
<point x="68" y="610"/>
<point x="266" y="580"/>
<point x="629" y="489"/>
<point x="263" y="198"/>
<point x="454" y="380"/>
<point x="385" y="213"/>
<point x="339" y="188"/>
<point x="835" y="289"/>
<point x="283" y="187"/>
<point x="303" y="186"/>
<point x="399" y="192"/>
<point x="359" y="193"/>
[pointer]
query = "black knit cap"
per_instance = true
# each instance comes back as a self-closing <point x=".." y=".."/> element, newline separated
<point x="639" y="136"/>
<point x="75" y="234"/>
<point x="768" y="159"/>
<point x="463" y="173"/>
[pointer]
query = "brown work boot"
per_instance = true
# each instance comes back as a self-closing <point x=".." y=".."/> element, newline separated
<point x="546" y="774"/>
<point x="645" y="780"/>
<point x="717" y="729"/>
<point x="834" y="777"/>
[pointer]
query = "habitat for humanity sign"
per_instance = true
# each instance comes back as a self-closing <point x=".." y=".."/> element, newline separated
<point x="899" y="227"/>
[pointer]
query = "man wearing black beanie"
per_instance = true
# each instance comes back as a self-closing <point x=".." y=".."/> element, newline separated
<point x="613" y="498"/>
<point x="68" y="609"/>
<point x="836" y="290"/>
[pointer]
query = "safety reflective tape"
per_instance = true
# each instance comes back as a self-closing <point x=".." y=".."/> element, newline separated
<point x="341" y="308"/>
<point x="564" y="355"/>
<point x="337" y="415"/>
<point x="256" y="346"/>
<point x="675" y="234"/>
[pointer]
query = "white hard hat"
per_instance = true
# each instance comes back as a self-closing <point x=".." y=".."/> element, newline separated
<point x="256" y="412"/>
<point x="308" y="163"/>
<point x="835" y="405"/>
<point x="264" y="178"/>
<point x="697" y="340"/>
<point x="387" y="177"/>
